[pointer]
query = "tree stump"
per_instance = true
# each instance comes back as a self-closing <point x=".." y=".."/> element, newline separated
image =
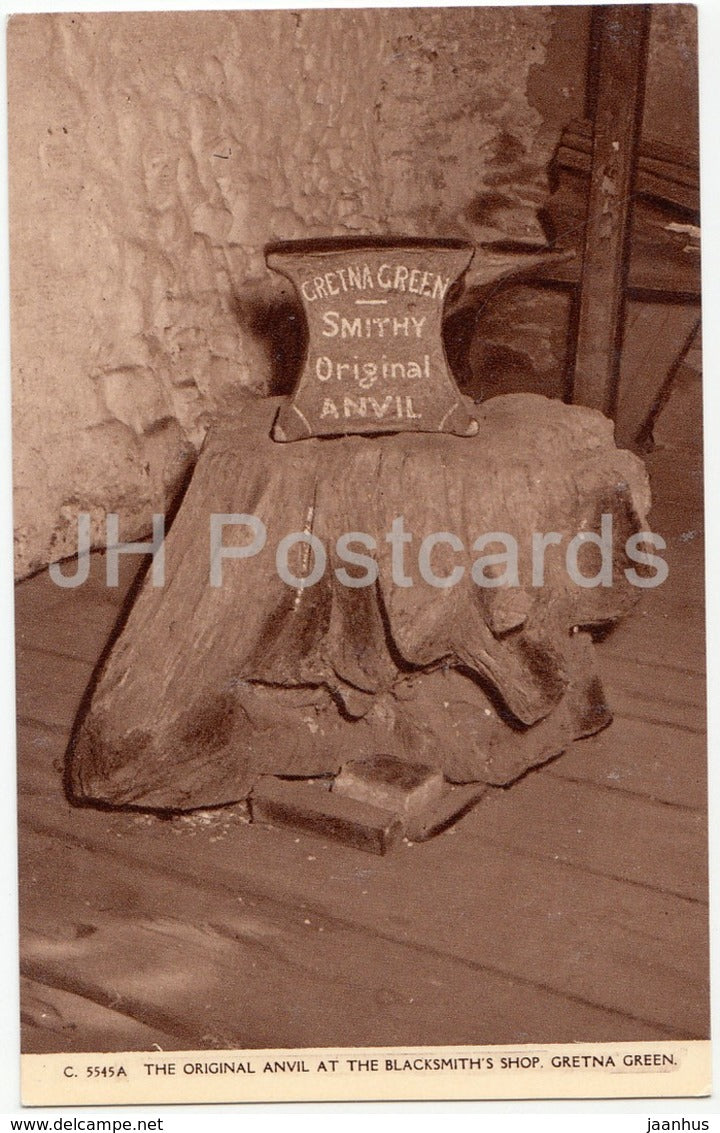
<point x="209" y="687"/>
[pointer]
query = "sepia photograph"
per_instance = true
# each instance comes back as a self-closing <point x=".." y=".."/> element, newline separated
<point x="357" y="439"/>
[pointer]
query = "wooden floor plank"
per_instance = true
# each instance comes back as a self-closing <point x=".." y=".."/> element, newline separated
<point x="609" y="943"/>
<point x="41" y="754"/>
<point x="613" y="649"/>
<point x="675" y="687"/>
<point x="56" y="1021"/>
<point x="670" y="634"/>
<point x="653" y="760"/>
<point x="602" y="831"/>
<point x="68" y="633"/>
<point x="215" y="971"/>
<point x="72" y="622"/>
<point x="50" y="689"/>
<point x="644" y="704"/>
<point x="668" y="623"/>
<point x="32" y="595"/>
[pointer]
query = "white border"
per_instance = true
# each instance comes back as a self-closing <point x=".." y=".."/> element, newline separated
<point x="506" y="1116"/>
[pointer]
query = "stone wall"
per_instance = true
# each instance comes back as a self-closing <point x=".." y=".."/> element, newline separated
<point x="152" y="157"/>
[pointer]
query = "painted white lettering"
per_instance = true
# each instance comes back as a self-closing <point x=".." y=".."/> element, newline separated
<point x="369" y="375"/>
<point x="323" y="368"/>
<point x="329" y="408"/>
<point x="355" y="407"/>
<point x="401" y="277"/>
<point x="381" y="410"/>
<point x="384" y="277"/>
<point x="414" y="284"/>
<point x="440" y="287"/>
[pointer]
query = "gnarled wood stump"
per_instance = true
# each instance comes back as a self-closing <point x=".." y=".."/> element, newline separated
<point x="207" y="687"/>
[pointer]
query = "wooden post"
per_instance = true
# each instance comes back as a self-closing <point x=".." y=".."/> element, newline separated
<point x="620" y="87"/>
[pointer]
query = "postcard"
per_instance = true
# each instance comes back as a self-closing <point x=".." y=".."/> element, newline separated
<point x="358" y="506"/>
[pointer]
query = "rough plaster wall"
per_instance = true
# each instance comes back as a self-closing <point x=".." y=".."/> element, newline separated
<point x="152" y="157"/>
<point x="459" y="139"/>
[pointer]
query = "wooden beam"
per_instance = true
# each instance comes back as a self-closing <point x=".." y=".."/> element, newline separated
<point x="623" y="30"/>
